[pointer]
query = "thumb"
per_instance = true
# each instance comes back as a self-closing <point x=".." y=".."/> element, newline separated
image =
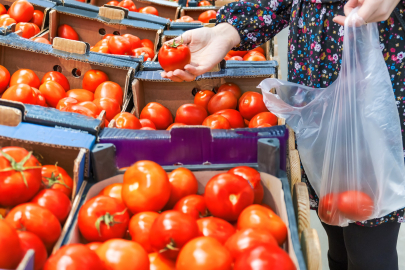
<point x="340" y="20"/>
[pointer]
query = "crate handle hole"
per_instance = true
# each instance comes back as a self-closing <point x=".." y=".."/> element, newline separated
<point x="195" y="91"/>
<point x="76" y="72"/>
<point x="102" y="31"/>
<point x="117" y="33"/>
<point x="57" y="68"/>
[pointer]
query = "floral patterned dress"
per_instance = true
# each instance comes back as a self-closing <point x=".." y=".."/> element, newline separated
<point x="315" y="48"/>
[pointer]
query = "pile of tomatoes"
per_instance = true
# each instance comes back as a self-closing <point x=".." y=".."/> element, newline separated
<point x="36" y="200"/>
<point x="257" y="54"/>
<point x="155" y="220"/>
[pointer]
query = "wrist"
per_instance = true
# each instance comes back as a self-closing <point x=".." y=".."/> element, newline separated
<point x="228" y="33"/>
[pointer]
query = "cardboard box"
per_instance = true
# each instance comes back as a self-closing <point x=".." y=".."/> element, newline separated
<point x="195" y="12"/>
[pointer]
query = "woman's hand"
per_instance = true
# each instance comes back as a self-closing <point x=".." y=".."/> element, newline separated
<point x="369" y="10"/>
<point x="208" y="46"/>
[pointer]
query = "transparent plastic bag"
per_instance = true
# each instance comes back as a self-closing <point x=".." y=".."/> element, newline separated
<point x="348" y="134"/>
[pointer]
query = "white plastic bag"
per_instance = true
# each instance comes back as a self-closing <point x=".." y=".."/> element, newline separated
<point x="348" y="134"/>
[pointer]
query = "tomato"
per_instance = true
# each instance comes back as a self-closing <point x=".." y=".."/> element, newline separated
<point x="265" y="125"/>
<point x="82" y="110"/>
<point x="260" y="217"/>
<point x="55" y="177"/>
<point x="27" y="29"/>
<point x="175" y="125"/>
<point x="171" y="231"/>
<point x="21" y="179"/>
<point x="206" y="16"/>
<point x="66" y="31"/>
<point x="65" y="103"/>
<point x="227" y="57"/>
<point x="149" y="10"/>
<point x="74" y="256"/>
<point x="258" y="49"/>
<point x="52" y="92"/>
<point x="102" y="218"/>
<point x="21" y="93"/>
<point x="190" y="114"/>
<point x="255" y="57"/>
<point x="134" y="40"/>
<point x="174" y="56"/>
<point x="4" y="78"/>
<point x="94" y="245"/>
<point x="185" y="19"/>
<point x="29" y="241"/>
<point x="140" y="226"/>
<point x="56" y="77"/>
<point x="251" y="104"/>
<point x="81" y="95"/>
<point x="41" y="40"/>
<point x="204" y="253"/>
<point x="233" y="116"/>
<point x="21" y="11"/>
<point x="91" y="106"/>
<point x="109" y="90"/>
<point x="203" y="97"/>
<point x="113" y="191"/>
<point x="147" y="123"/>
<point x="55" y="201"/>
<point x="38" y="220"/>
<point x="147" y="52"/>
<point x="147" y="43"/>
<point x="230" y="87"/>
<point x="120" y="254"/>
<point x="6" y="22"/>
<point x="216" y="228"/>
<point x="128" y="4"/>
<point x="236" y="58"/>
<point x="3" y="10"/>
<point x="355" y="205"/>
<point x="183" y="183"/>
<point x="113" y="3"/>
<point x="237" y="53"/>
<point x="204" y="3"/>
<point x="263" y="118"/>
<point x="227" y="195"/>
<point x="11" y="251"/>
<point x="100" y="49"/>
<point x="250" y="53"/>
<point x="222" y="101"/>
<point x="193" y="205"/>
<point x="328" y="210"/>
<point x="158" y="114"/>
<point x="93" y="78"/>
<point x="40" y="98"/>
<point x="216" y="122"/>
<point x="146" y="187"/>
<point x="157" y="262"/>
<point x="127" y="121"/>
<point x="25" y="76"/>
<point x="37" y="18"/>
<point x="119" y="45"/>
<point x="253" y="177"/>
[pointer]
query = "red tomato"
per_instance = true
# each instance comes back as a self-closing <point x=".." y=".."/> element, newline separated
<point x="204" y="253"/>
<point x="328" y="210"/>
<point x="206" y="16"/>
<point x="265" y="125"/>
<point x="175" y="125"/>
<point x="80" y="95"/>
<point x="134" y="40"/>
<point x="55" y="177"/>
<point x="253" y="177"/>
<point x="260" y="217"/>
<point x="263" y="118"/>
<point x="126" y="120"/>
<point x="193" y="205"/>
<point x="149" y="10"/>
<point x="82" y="110"/>
<point x="227" y="57"/>
<point x="10" y="246"/>
<point x="233" y="116"/>
<point x="37" y="18"/>
<point x="21" y="11"/>
<point x="21" y="93"/>
<point x="55" y="201"/>
<point x="230" y="87"/>
<point x="21" y="183"/>
<point x="4" y="78"/>
<point x="258" y="49"/>
<point x="227" y="195"/>
<point x="3" y="10"/>
<point x="183" y="183"/>
<point x="250" y="53"/>
<point x="119" y="45"/>
<point x="94" y="245"/>
<point x="204" y="3"/>
<point x="26" y="76"/>
<point x="106" y="37"/>
<point x="146" y="187"/>
<point x="216" y="228"/>
<point x="113" y="3"/>
<point x="264" y="257"/>
<point x="250" y="104"/>
<point x="52" y="92"/>
<point x="128" y="4"/>
<point x="185" y="19"/>
<point x="236" y="58"/>
<point x="40" y="98"/>
<point x="66" y="31"/>
<point x="147" y="52"/>
<point x="111" y="107"/>
<point x="147" y="123"/>
<point x="113" y="191"/>
<point x="216" y="122"/>
<point x="74" y="256"/>
<point x="29" y="241"/>
<point x="157" y="262"/>
<point x="355" y="205"/>
<point x="93" y="78"/>
<point x="174" y="56"/>
<point x="100" y="49"/>
<point x="191" y="114"/>
<point x="222" y="101"/>
<point x="91" y="106"/>
<point x="140" y="226"/>
<point x="147" y="43"/>
<point x="203" y="97"/>
<point x="120" y="254"/>
<point x="38" y="220"/>
<point x="171" y="231"/>
<point x="109" y="90"/>
<point x="56" y="77"/>
<point x="6" y="22"/>
<point x="147" y="128"/>
<point x="237" y="53"/>
<point x="27" y="29"/>
<point x="102" y="218"/>
<point x="65" y="103"/>
<point x="158" y="114"/>
<point x="255" y="57"/>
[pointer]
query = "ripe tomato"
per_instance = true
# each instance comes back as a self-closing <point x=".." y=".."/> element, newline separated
<point x="233" y="116"/>
<point x="109" y="90"/>
<point x="29" y="241"/>
<point x="203" y="97"/>
<point x="175" y="125"/>
<point x="55" y="177"/>
<point x="355" y="205"/>
<point x="206" y="16"/>
<point x="174" y="56"/>
<point x="66" y="31"/>
<point x="127" y="121"/>
<point x="265" y="125"/>
<point x="250" y="53"/>
<point x="328" y="210"/>
<point x="113" y="191"/>
<point x="93" y="78"/>
<point x="10" y="246"/>
<point x="21" y="11"/>
<point x="171" y="231"/>
<point x="146" y="187"/>
<point x="40" y="98"/>
<point x="27" y="29"/>
<point x="253" y="177"/>
<point x="246" y="239"/>
<point x="21" y="183"/>
<point x="216" y="122"/>
<point x="147" y="43"/>
<point x="37" y="18"/>
<point x="91" y="106"/>
<point x="147" y="123"/>
<point x="74" y="256"/>
<point x="120" y="254"/>
<point x="149" y="10"/>
<point x="56" y="77"/>
<point x="222" y="101"/>
<point x="26" y="76"/>
<point x="204" y="253"/>
<point x="260" y="217"/>
<point x="231" y="87"/>
<point x="128" y="4"/>
<point x="158" y="114"/>
<point x="236" y="58"/>
<point x="6" y="21"/>
<point x="158" y="262"/>
<point x="21" y="93"/>
<point x="190" y="114"/>
<point x="113" y="3"/>
<point x="263" y="118"/>
<point x="55" y="201"/>
<point x="119" y="45"/>
<point x="100" y="49"/>
<point x="254" y="57"/>
<point x="94" y="245"/>
<point x="3" y="10"/>
<point x="193" y="205"/>
<point x="146" y="51"/>
<point x="204" y="3"/>
<point x="227" y="57"/>
<point x="185" y="19"/>
<point x="250" y="104"/>
<point x="139" y="228"/>
<point x="182" y="183"/>
<point x="226" y="195"/>
<point x="52" y="92"/>
<point x="65" y="103"/>
<point x="134" y="40"/>
<point x="237" y="53"/>
<point x="38" y="220"/>
<point x="81" y="95"/>
<point x="216" y="228"/>
<point x="4" y="78"/>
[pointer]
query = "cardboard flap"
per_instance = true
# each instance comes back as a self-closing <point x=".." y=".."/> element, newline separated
<point x="10" y="116"/>
<point x="8" y="29"/>
<point x="70" y="46"/>
<point x="182" y="26"/>
<point x="112" y="13"/>
<point x="221" y="3"/>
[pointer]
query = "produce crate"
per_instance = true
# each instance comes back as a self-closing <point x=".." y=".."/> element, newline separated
<point x="194" y="12"/>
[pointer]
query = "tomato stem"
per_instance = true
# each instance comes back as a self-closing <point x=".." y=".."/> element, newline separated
<point x="175" y="45"/>
<point x="54" y="179"/>
<point x="170" y="246"/>
<point x="108" y="219"/>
